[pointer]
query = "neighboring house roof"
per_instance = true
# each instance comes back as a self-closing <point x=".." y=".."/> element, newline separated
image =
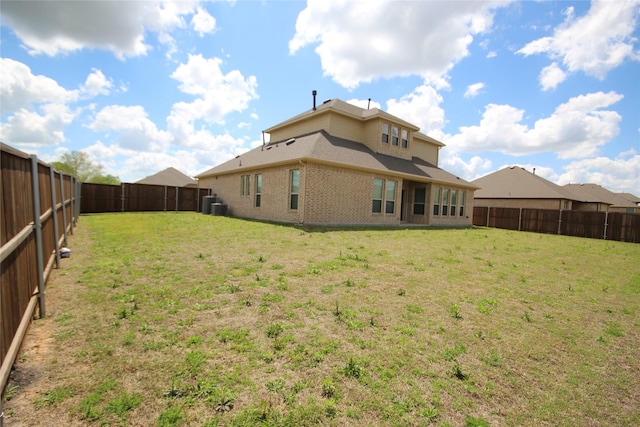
<point x="170" y="177"/>
<point x="630" y="197"/>
<point x="321" y="147"/>
<point x="595" y="193"/>
<point x="515" y="182"/>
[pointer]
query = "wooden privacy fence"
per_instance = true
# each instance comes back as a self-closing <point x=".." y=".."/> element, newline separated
<point x="596" y="225"/>
<point x="38" y="209"/>
<point x="97" y="198"/>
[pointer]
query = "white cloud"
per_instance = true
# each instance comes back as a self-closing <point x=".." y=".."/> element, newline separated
<point x="595" y="43"/>
<point x="55" y="27"/>
<point x="360" y="41"/>
<point x="469" y="170"/>
<point x="203" y="22"/>
<point x="218" y="95"/>
<point x="29" y="128"/>
<point x="576" y="129"/>
<point x="20" y="88"/>
<point x="551" y="76"/>
<point x="621" y="174"/>
<point x="422" y="108"/>
<point x="97" y="84"/>
<point x="136" y="131"/>
<point x="473" y="90"/>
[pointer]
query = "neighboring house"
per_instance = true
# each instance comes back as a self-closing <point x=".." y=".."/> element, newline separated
<point x="594" y="197"/>
<point x="630" y="197"/>
<point x="515" y="187"/>
<point x="342" y="164"/>
<point x="170" y="177"/>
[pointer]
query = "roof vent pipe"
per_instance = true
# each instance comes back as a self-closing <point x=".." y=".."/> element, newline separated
<point x="314" y="93"/>
<point x="369" y="104"/>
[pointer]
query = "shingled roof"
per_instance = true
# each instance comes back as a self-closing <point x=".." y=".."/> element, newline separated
<point x="171" y="177"/>
<point x="321" y="147"/>
<point x="595" y="193"/>
<point x="515" y="182"/>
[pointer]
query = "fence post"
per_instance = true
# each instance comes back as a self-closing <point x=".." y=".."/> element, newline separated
<point x="560" y="222"/>
<point x="165" y="198"/>
<point x="520" y="220"/>
<point x="38" y="230"/>
<point x="72" y="202"/>
<point x="122" y="197"/>
<point x="606" y="223"/>
<point x="64" y="209"/>
<point x="177" y="199"/>
<point x="488" y="210"/>
<point x="56" y="230"/>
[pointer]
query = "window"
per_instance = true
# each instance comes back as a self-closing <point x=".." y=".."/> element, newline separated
<point x="454" y="201"/>
<point x="384" y="194"/>
<point x="463" y="195"/>
<point x="405" y="138"/>
<point x="258" y="189"/>
<point x="445" y="201"/>
<point x="245" y="185"/>
<point x="294" y="189"/>
<point x="390" y="196"/>
<point x="394" y="135"/>
<point x="385" y="133"/>
<point x="378" y="185"/>
<point x="436" y="201"/>
<point x="419" y="198"/>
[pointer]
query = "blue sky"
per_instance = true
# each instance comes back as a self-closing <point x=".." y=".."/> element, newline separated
<point x="145" y="85"/>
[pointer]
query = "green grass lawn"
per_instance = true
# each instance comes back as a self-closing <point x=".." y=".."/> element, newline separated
<point x="187" y="319"/>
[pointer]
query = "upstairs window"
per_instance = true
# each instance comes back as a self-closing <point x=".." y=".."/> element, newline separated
<point x="294" y="188"/>
<point x="405" y="138"/>
<point x="394" y="135"/>
<point x="385" y="133"/>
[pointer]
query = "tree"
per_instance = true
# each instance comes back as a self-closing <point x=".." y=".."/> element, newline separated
<point x="79" y="164"/>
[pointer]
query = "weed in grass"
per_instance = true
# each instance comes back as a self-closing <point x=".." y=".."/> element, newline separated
<point x="10" y="391"/>
<point x="451" y="353"/>
<point x="431" y="413"/>
<point x="122" y="404"/>
<point x="457" y="372"/>
<point x="454" y="311"/>
<point x="476" y="422"/>
<point x="194" y="361"/>
<point x="223" y="400"/>
<point x="89" y="407"/>
<point x="53" y="397"/>
<point x="353" y="369"/>
<point x="127" y="338"/>
<point x="414" y="309"/>
<point x="487" y="305"/>
<point x="276" y="385"/>
<point x="274" y="330"/>
<point x="401" y="292"/>
<point x="614" y="329"/>
<point x="493" y="359"/>
<point x="329" y="389"/>
<point x="171" y="417"/>
<point x="527" y="317"/>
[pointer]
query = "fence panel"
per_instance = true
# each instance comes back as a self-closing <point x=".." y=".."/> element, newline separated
<point x="507" y="218"/>
<point x="623" y="227"/>
<point x="610" y="225"/>
<point x="34" y="202"/>
<point x="127" y="197"/>
<point x="540" y="221"/>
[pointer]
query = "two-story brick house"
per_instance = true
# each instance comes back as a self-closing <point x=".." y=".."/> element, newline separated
<point x="342" y="164"/>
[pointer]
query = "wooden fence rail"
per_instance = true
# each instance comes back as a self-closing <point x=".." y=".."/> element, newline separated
<point x="38" y="209"/>
<point x="97" y="198"/>
<point x="596" y="225"/>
